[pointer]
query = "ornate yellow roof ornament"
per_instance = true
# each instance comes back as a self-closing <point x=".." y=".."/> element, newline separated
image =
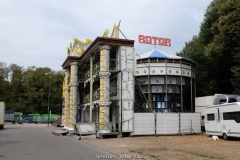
<point x="78" y="47"/>
<point x="115" y="31"/>
<point x="105" y="34"/>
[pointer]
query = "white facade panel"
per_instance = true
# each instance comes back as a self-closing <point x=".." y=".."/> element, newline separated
<point x="186" y="66"/>
<point x="127" y="105"/>
<point x="174" y="71"/>
<point x="142" y="65"/>
<point x="129" y="54"/>
<point x="143" y="80"/>
<point x="123" y="63"/>
<point x="157" y="80"/>
<point x="127" y="67"/>
<point x="171" y="80"/>
<point x="130" y="64"/>
<point x="157" y="65"/>
<point x="186" y="72"/>
<point x="124" y="85"/>
<point x="171" y="71"/>
<point x="173" y="65"/>
<point x="127" y="121"/>
<point x="161" y="70"/>
<point x="157" y="89"/>
<point x="136" y="71"/>
<point x="169" y="89"/>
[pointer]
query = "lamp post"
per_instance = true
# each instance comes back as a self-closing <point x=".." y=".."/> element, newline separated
<point x="48" y="95"/>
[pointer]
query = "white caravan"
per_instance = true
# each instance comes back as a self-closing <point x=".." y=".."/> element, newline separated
<point x="223" y="120"/>
<point x="202" y="102"/>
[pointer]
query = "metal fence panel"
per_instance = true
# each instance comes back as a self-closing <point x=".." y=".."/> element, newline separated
<point x="167" y="123"/>
<point x="144" y="124"/>
<point x="190" y="123"/>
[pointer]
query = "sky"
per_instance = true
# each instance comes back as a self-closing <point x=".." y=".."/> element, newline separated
<point x="38" y="33"/>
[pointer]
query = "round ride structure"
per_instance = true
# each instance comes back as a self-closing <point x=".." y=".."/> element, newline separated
<point x="164" y="83"/>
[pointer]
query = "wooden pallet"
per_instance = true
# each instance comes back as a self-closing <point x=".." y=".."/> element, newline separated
<point x="60" y="133"/>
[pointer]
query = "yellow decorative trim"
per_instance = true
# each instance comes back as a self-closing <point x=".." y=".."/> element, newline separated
<point x="105" y="34"/>
<point x="79" y="50"/>
<point x="81" y="42"/>
<point x="71" y="47"/>
<point x="68" y="52"/>
<point x="115" y="31"/>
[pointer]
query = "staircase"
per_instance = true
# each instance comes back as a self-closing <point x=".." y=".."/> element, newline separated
<point x="57" y="123"/>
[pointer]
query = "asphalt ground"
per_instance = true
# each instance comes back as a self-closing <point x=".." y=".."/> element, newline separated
<point x="36" y="142"/>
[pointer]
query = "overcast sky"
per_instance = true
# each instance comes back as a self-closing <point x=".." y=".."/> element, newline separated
<point x="38" y="32"/>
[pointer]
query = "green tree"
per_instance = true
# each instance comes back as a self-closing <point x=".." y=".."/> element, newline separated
<point x="4" y="83"/>
<point x="194" y="50"/>
<point x="36" y="85"/>
<point x="15" y="87"/>
<point x="26" y="90"/>
<point x="224" y="50"/>
<point x="216" y="49"/>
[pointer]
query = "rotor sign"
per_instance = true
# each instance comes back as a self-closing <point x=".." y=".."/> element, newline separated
<point x="154" y="40"/>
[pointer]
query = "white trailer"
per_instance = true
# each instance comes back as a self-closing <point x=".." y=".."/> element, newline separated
<point x="223" y="120"/>
<point x="2" y="112"/>
<point x="202" y="102"/>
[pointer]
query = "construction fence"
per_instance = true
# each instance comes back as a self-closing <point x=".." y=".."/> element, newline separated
<point x="166" y="123"/>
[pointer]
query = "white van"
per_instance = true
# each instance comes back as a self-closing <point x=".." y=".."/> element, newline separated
<point x="223" y="120"/>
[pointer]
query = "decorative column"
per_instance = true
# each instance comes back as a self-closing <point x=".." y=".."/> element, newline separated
<point x="73" y="93"/>
<point x="66" y="98"/>
<point x="91" y="88"/>
<point x="104" y="102"/>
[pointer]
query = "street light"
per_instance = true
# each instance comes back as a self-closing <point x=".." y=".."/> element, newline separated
<point x="48" y="94"/>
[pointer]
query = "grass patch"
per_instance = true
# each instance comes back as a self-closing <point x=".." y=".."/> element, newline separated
<point x="153" y="156"/>
<point x="201" y="154"/>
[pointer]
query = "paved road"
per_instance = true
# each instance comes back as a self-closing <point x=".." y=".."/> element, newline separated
<point x="36" y="142"/>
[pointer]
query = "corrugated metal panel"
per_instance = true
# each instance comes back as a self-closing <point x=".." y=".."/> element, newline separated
<point x="190" y="123"/>
<point x="144" y="124"/>
<point x="167" y="123"/>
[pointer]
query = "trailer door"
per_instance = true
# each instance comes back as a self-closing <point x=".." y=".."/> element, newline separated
<point x="218" y="120"/>
<point x="211" y="124"/>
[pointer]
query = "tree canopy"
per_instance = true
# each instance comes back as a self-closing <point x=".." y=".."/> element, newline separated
<point x="27" y="90"/>
<point x="216" y="49"/>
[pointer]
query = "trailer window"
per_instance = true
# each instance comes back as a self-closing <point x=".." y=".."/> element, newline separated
<point x="232" y="116"/>
<point x="230" y="100"/>
<point x="222" y="101"/>
<point x="210" y="117"/>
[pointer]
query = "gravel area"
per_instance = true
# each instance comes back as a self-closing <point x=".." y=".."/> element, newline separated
<point x="186" y="147"/>
<point x="201" y="147"/>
